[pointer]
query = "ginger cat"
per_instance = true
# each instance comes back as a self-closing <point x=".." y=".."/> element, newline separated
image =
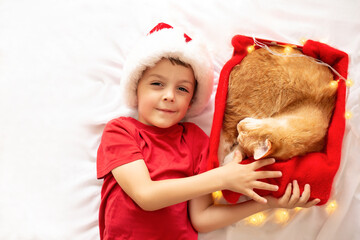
<point x="277" y="106"/>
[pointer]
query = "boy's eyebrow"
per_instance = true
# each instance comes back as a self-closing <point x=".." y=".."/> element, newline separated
<point x="187" y="81"/>
<point x="162" y="77"/>
<point x="156" y="75"/>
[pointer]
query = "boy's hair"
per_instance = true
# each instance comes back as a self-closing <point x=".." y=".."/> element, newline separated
<point x="177" y="61"/>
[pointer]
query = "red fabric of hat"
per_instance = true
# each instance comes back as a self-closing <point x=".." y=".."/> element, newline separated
<point x="317" y="169"/>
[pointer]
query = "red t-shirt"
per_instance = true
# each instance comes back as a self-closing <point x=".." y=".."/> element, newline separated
<point x="176" y="152"/>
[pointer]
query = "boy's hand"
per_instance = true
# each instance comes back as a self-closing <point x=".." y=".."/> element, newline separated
<point x="244" y="178"/>
<point x="293" y="200"/>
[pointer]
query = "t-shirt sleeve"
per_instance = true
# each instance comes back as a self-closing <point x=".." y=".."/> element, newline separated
<point x="200" y="149"/>
<point x="118" y="146"/>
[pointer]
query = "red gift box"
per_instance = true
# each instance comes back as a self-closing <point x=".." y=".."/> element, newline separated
<point x="317" y="169"/>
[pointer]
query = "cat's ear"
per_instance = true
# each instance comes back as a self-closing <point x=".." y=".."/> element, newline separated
<point x="262" y="150"/>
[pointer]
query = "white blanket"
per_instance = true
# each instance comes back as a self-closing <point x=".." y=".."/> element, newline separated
<point x="60" y="68"/>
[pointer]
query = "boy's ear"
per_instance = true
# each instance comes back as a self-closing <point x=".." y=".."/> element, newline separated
<point x="191" y="103"/>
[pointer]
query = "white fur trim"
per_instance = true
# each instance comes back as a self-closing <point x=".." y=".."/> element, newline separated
<point x="167" y="43"/>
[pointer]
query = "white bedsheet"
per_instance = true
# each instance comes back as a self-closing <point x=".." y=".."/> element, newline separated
<point x="60" y="67"/>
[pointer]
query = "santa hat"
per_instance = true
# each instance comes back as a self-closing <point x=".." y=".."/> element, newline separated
<point x="164" y="41"/>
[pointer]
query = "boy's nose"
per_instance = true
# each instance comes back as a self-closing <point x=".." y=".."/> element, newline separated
<point x="169" y="95"/>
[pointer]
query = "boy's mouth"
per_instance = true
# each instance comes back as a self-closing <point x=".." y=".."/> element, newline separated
<point x="166" y="110"/>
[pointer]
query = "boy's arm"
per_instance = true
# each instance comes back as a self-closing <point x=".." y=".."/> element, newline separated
<point x="205" y="216"/>
<point x="134" y="179"/>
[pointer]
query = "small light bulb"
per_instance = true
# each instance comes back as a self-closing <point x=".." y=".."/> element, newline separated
<point x="250" y="48"/>
<point x="349" y="82"/>
<point x="348" y="114"/>
<point x="217" y="195"/>
<point x="334" y="84"/>
<point x="287" y="50"/>
<point x="282" y="216"/>
<point x="298" y="209"/>
<point x="256" y="219"/>
<point x="303" y="41"/>
<point x="331" y="207"/>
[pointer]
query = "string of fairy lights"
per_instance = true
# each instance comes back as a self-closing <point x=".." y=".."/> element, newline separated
<point x="284" y="216"/>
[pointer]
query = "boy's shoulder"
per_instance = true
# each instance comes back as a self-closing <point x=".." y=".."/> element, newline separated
<point x="120" y="122"/>
<point x="117" y="120"/>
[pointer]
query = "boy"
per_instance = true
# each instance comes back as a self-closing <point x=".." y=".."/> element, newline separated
<point x="153" y="165"/>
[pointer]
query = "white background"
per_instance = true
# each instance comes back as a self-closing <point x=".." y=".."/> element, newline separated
<point x="60" y="68"/>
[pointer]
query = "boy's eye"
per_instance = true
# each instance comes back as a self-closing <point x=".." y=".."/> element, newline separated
<point x="183" y="89"/>
<point x="156" y="84"/>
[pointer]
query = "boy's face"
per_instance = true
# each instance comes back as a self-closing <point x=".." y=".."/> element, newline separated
<point x="164" y="94"/>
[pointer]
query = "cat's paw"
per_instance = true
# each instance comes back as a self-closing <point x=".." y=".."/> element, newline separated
<point x="249" y="124"/>
<point x="248" y="129"/>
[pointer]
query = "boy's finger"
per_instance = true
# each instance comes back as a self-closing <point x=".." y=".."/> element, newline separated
<point x="265" y="186"/>
<point x="285" y="198"/>
<point x="238" y="156"/>
<point x="256" y="197"/>
<point x="261" y="163"/>
<point x="305" y="195"/>
<point x="267" y="174"/>
<point x="312" y="203"/>
<point x="295" y="194"/>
